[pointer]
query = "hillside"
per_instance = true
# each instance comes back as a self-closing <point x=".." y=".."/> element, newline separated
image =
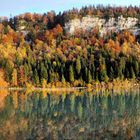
<point x="73" y="48"/>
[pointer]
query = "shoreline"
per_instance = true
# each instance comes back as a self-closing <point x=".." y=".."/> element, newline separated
<point x="43" y="89"/>
<point x="115" y="84"/>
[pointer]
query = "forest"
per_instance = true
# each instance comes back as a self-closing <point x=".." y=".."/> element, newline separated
<point x="36" y="50"/>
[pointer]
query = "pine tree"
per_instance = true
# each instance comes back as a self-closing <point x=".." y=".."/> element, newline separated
<point x="127" y="73"/>
<point x="119" y="71"/>
<point x="97" y="76"/>
<point x="85" y="76"/>
<point x="26" y="70"/>
<point x="36" y="77"/>
<point x="8" y="71"/>
<point x="71" y="74"/>
<point x="78" y="65"/>
<point x="136" y="67"/>
<point x="63" y="79"/>
<point x="44" y="72"/>
<point x="111" y="73"/>
<point x="103" y="73"/>
<point x="89" y="77"/>
<point x="132" y="73"/>
<point x="50" y="79"/>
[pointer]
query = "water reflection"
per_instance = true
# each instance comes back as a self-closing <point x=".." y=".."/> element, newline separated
<point x="48" y="116"/>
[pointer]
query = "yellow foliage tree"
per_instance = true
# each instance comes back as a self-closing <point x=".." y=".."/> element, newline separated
<point x="14" y="78"/>
<point x="44" y="83"/>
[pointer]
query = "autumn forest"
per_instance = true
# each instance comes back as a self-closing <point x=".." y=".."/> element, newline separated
<point x="36" y="49"/>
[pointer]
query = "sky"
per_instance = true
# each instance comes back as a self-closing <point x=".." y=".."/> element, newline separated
<point x="16" y="7"/>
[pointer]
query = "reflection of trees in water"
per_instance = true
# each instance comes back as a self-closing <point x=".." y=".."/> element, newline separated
<point x="35" y="116"/>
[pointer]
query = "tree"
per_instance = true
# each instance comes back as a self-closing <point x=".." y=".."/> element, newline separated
<point x="132" y="73"/>
<point x="63" y="79"/>
<point x="71" y="74"/>
<point x="103" y="73"/>
<point x="14" y="78"/>
<point x="92" y="66"/>
<point x="36" y="77"/>
<point x="22" y="77"/>
<point x="44" y="72"/>
<point x="44" y="83"/>
<point x="111" y="73"/>
<point x="89" y="77"/>
<point x="119" y="71"/>
<point x="78" y="65"/>
<point x="136" y="67"/>
<point x="8" y="71"/>
<point x="26" y="71"/>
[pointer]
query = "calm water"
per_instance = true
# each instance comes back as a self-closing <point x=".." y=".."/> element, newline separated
<point x="73" y="116"/>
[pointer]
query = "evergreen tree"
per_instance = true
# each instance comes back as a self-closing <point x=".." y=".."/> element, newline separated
<point x="26" y="70"/>
<point x="8" y="71"/>
<point x="127" y="73"/>
<point x="44" y="72"/>
<point x="132" y="73"/>
<point x="111" y="73"/>
<point x="85" y="74"/>
<point x="71" y="74"/>
<point x="120" y="74"/>
<point x="103" y="75"/>
<point x="63" y="79"/>
<point x="97" y="76"/>
<point x="103" y="72"/>
<point x="50" y="79"/>
<point x="36" y="77"/>
<point x="136" y="67"/>
<point x="78" y="65"/>
<point x="89" y="77"/>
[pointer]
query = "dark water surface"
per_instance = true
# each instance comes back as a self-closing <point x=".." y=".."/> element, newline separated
<point x="70" y="116"/>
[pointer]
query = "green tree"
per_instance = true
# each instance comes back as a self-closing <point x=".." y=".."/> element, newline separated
<point x="44" y="72"/>
<point x="26" y="70"/>
<point x="132" y="73"/>
<point x="119" y="71"/>
<point x="36" y="77"/>
<point x="78" y="65"/>
<point x="8" y="71"/>
<point x="111" y="73"/>
<point x="89" y="77"/>
<point x="63" y="79"/>
<point x="103" y="73"/>
<point x="71" y="74"/>
<point x="136" y="67"/>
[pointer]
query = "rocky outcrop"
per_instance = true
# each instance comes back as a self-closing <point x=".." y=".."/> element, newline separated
<point x="88" y="23"/>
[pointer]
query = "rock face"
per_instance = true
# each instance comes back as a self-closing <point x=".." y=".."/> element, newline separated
<point x="88" y="23"/>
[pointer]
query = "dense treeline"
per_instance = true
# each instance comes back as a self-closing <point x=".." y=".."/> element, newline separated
<point x="36" y="49"/>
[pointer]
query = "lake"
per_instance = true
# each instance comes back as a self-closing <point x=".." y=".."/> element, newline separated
<point x="77" y="115"/>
